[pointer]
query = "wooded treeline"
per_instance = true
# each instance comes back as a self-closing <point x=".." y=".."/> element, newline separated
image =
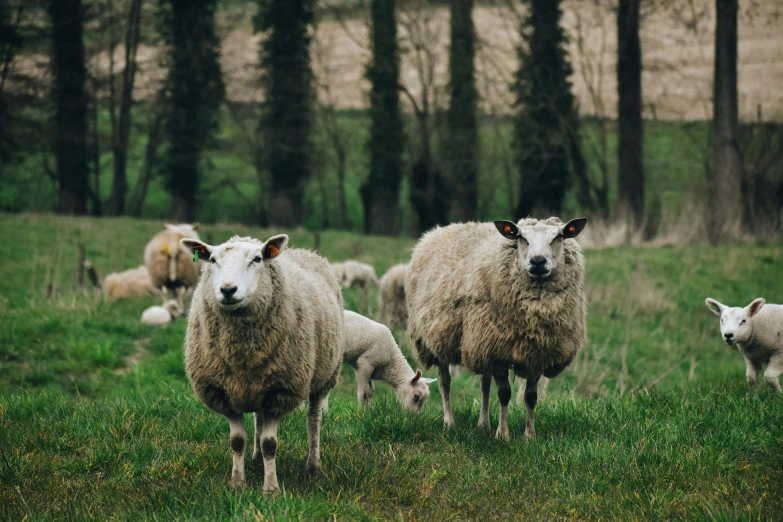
<point x="437" y="158"/>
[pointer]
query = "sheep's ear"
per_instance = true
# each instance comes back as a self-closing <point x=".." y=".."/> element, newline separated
<point x="507" y="229"/>
<point x="416" y="377"/>
<point x="194" y="226"/>
<point x="274" y="245"/>
<point x="194" y="245"/>
<point x="574" y="227"/>
<point x="716" y="307"/>
<point x="428" y="380"/>
<point x="755" y="306"/>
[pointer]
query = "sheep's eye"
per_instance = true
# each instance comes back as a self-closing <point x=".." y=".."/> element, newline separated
<point x="742" y="322"/>
<point x="415" y="398"/>
<point x="257" y="259"/>
<point x="212" y="260"/>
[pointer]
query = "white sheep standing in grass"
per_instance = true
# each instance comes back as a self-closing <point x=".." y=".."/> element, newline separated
<point x="169" y="266"/>
<point x="129" y="284"/>
<point x="492" y="301"/>
<point x="265" y="333"/>
<point x="369" y="347"/>
<point x="757" y="330"/>
<point x="391" y="296"/>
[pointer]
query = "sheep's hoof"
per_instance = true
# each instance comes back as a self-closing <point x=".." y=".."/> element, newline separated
<point x="448" y="422"/>
<point x="314" y="469"/>
<point x="270" y="486"/>
<point x="237" y="482"/>
<point x="484" y="425"/>
<point x="530" y="435"/>
<point x="503" y="434"/>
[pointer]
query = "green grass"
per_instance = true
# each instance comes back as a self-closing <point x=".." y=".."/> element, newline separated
<point x="85" y="436"/>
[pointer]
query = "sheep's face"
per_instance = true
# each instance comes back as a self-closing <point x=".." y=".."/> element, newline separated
<point x="414" y="394"/>
<point x="540" y="246"/>
<point x="735" y="323"/>
<point x="174" y="308"/>
<point x="238" y="268"/>
<point x="172" y="249"/>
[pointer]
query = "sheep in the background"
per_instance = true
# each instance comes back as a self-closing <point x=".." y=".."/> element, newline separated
<point x="757" y="330"/>
<point x="358" y="275"/>
<point x="492" y="301"/>
<point x="264" y="333"/>
<point x="164" y="314"/>
<point x="369" y="347"/>
<point x="130" y="284"/>
<point x="391" y="297"/>
<point x="169" y="266"/>
<point x="338" y="269"/>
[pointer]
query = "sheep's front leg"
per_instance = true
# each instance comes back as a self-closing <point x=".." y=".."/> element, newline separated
<point x="504" y="397"/>
<point x="531" y="398"/>
<point x="314" y="416"/>
<point x="752" y="372"/>
<point x="444" y="384"/>
<point x="365" y="387"/>
<point x="269" y="452"/>
<point x="773" y="371"/>
<point x="238" y="437"/>
<point x="486" y="386"/>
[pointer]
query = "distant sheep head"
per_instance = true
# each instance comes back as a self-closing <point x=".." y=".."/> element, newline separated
<point x="237" y="268"/>
<point x="735" y="323"/>
<point x="540" y="243"/>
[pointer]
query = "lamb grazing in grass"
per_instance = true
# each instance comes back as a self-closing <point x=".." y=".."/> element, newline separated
<point x="169" y="266"/>
<point x="491" y="302"/>
<point x="130" y="284"/>
<point x="359" y="275"/>
<point x="391" y="298"/>
<point x="369" y="347"/>
<point x="162" y="315"/>
<point x="757" y="330"/>
<point x="265" y="333"/>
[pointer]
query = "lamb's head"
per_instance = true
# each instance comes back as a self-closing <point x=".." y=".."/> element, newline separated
<point x="415" y="393"/>
<point x="238" y="267"/>
<point x="540" y="243"/>
<point x="735" y="323"/>
<point x="174" y="308"/>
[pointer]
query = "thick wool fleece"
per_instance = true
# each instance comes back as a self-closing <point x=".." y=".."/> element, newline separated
<point x="391" y="298"/>
<point x="164" y="246"/>
<point x="269" y="356"/>
<point x="471" y="302"/>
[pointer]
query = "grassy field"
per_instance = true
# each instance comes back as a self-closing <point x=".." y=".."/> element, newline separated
<point x="653" y="421"/>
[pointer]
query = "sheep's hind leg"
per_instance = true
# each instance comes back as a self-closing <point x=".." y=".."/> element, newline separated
<point x="504" y="397"/>
<point x="259" y="422"/>
<point x="773" y="371"/>
<point x="444" y="384"/>
<point x="238" y="437"/>
<point x="269" y="451"/>
<point x="314" y="416"/>
<point x="531" y="398"/>
<point x="486" y="386"/>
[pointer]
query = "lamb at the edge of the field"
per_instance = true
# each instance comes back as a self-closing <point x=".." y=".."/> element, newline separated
<point x="369" y="347"/>
<point x="129" y="284"/>
<point x="264" y="333"/>
<point x="391" y="297"/>
<point x="757" y="330"/>
<point x="491" y="301"/>
<point x="169" y="266"/>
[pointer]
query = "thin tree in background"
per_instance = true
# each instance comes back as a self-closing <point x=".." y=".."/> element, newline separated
<point x="287" y="118"/>
<point x="462" y="147"/>
<point x="630" y="126"/>
<point x="196" y="92"/>
<point x="121" y="128"/>
<point x="380" y="193"/>
<point x="70" y="98"/>
<point x="726" y="202"/>
<point x="9" y="42"/>
<point x="546" y="129"/>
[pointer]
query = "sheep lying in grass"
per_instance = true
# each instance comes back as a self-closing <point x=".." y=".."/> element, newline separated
<point x="369" y="347"/>
<point x="164" y="314"/>
<point x="130" y="284"/>
<point x="492" y="301"/>
<point x="264" y="333"/>
<point x="169" y="266"/>
<point x="391" y="298"/>
<point x="757" y="330"/>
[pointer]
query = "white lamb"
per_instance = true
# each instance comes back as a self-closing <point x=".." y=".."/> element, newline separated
<point x="369" y="347"/>
<point x="164" y="314"/>
<point x="757" y="330"/>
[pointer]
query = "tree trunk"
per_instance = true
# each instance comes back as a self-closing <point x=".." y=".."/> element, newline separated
<point x="726" y="204"/>
<point x="150" y="159"/>
<point x="120" y="182"/>
<point x="462" y="144"/>
<point x="630" y="127"/>
<point x="380" y="193"/>
<point x="70" y="98"/>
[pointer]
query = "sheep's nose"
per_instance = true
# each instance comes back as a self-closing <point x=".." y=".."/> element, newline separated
<point x="538" y="261"/>
<point x="228" y="291"/>
<point x="729" y="336"/>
